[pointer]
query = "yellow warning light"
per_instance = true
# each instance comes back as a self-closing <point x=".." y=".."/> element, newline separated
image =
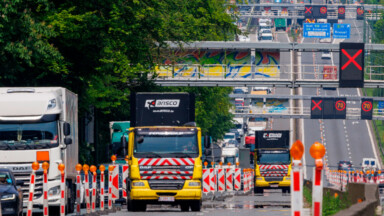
<point x="297" y="150"/>
<point x="317" y="150"/>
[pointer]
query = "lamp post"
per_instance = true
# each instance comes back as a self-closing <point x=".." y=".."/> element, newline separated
<point x="317" y="151"/>
<point x="297" y="151"/>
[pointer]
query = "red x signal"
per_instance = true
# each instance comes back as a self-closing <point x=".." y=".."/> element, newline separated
<point x="351" y="59"/>
<point x="316" y="105"/>
<point x="308" y="9"/>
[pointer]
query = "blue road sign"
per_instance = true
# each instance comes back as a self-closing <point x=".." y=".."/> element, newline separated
<point x="342" y="31"/>
<point x="381" y="106"/>
<point x="317" y="30"/>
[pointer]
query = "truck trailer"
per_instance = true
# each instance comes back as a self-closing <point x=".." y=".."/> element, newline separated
<point x="164" y="152"/>
<point x="40" y="124"/>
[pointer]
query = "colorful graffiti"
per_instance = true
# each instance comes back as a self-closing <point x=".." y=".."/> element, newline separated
<point x="217" y="63"/>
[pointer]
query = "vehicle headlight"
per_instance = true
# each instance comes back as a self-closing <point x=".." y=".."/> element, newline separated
<point x="194" y="184"/>
<point x="51" y="104"/>
<point x="260" y="178"/>
<point x="54" y="191"/>
<point x="137" y="184"/>
<point x="8" y="197"/>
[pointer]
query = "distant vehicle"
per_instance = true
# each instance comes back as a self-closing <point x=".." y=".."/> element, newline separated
<point x="266" y="37"/>
<point x="229" y="136"/>
<point x="326" y="55"/>
<point x="11" y="194"/>
<point x="344" y="165"/>
<point x="369" y="164"/>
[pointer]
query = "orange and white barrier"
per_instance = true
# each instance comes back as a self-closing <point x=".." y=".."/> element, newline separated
<point x="237" y="178"/>
<point x="206" y="181"/>
<point x="229" y="179"/>
<point x="61" y="167"/>
<point x="102" y="169"/>
<point x="78" y="186"/>
<point x="45" y="167"/>
<point x="35" y="166"/>
<point x="221" y="179"/>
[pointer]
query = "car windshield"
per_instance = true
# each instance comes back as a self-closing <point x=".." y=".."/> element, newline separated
<point x="266" y="37"/>
<point x="231" y="160"/>
<point x="166" y="143"/>
<point x="274" y="158"/>
<point x="229" y="136"/>
<point x="28" y="135"/>
<point x="5" y="178"/>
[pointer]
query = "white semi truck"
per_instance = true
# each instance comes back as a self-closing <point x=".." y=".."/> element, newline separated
<point x="40" y="124"/>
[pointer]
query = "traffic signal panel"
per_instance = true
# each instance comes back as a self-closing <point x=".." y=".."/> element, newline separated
<point x="351" y="65"/>
<point x="366" y="108"/>
<point x="328" y="108"/>
<point x="341" y="12"/>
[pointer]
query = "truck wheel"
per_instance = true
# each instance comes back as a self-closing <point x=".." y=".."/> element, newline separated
<point x="184" y="207"/>
<point x="196" y="205"/>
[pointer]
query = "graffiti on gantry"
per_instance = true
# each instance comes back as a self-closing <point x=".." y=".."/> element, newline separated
<point x="213" y="63"/>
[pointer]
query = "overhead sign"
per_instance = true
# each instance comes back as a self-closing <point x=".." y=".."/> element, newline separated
<point x="366" y="108"/>
<point x="342" y="31"/>
<point x="328" y="108"/>
<point x="308" y="11"/>
<point x="320" y="11"/>
<point x="360" y="13"/>
<point x="351" y="65"/>
<point x="341" y="12"/>
<point x="317" y="30"/>
<point x="316" y="108"/>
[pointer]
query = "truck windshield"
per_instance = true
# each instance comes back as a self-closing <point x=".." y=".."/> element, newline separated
<point x="166" y="144"/>
<point x="274" y="158"/>
<point x="28" y="136"/>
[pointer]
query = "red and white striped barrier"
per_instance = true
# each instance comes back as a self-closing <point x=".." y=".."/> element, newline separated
<point x="296" y="188"/>
<point x="61" y="167"/>
<point x="237" y="178"/>
<point x="78" y="185"/>
<point x="221" y="179"/>
<point x="125" y="176"/>
<point x="229" y="179"/>
<point x="206" y="181"/>
<point x="45" y="188"/>
<point x="212" y="175"/>
<point x="102" y="184"/>
<point x="317" y="191"/>
<point x="35" y="166"/>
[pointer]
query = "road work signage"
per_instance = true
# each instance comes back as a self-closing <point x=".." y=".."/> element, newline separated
<point x="342" y="31"/>
<point x="317" y="30"/>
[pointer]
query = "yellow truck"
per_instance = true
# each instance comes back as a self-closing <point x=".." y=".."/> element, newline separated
<point x="164" y="152"/>
<point x="272" y="161"/>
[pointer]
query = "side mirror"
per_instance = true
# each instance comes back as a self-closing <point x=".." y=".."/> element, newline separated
<point x="19" y="182"/>
<point x="207" y="152"/>
<point x="66" y="129"/>
<point x="207" y="142"/>
<point x="67" y="140"/>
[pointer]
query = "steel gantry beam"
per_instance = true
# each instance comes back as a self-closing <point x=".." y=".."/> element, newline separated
<point x="264" y="45"/>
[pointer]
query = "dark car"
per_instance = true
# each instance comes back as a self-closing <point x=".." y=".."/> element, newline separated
<point x="11" y="194"/>
<point x="345" y="165"/>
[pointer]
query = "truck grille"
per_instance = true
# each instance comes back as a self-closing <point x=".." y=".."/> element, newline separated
<point x="166" y="184"/>
<point x="25" y="177"/>
<point x="273" y="178"/>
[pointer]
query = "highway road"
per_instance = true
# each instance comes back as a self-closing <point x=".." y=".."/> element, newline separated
<point x="344" y="139"/>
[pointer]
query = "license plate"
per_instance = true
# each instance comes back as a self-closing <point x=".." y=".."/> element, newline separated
<point x="274" y="185"/>
<point x="167" y="199"/>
